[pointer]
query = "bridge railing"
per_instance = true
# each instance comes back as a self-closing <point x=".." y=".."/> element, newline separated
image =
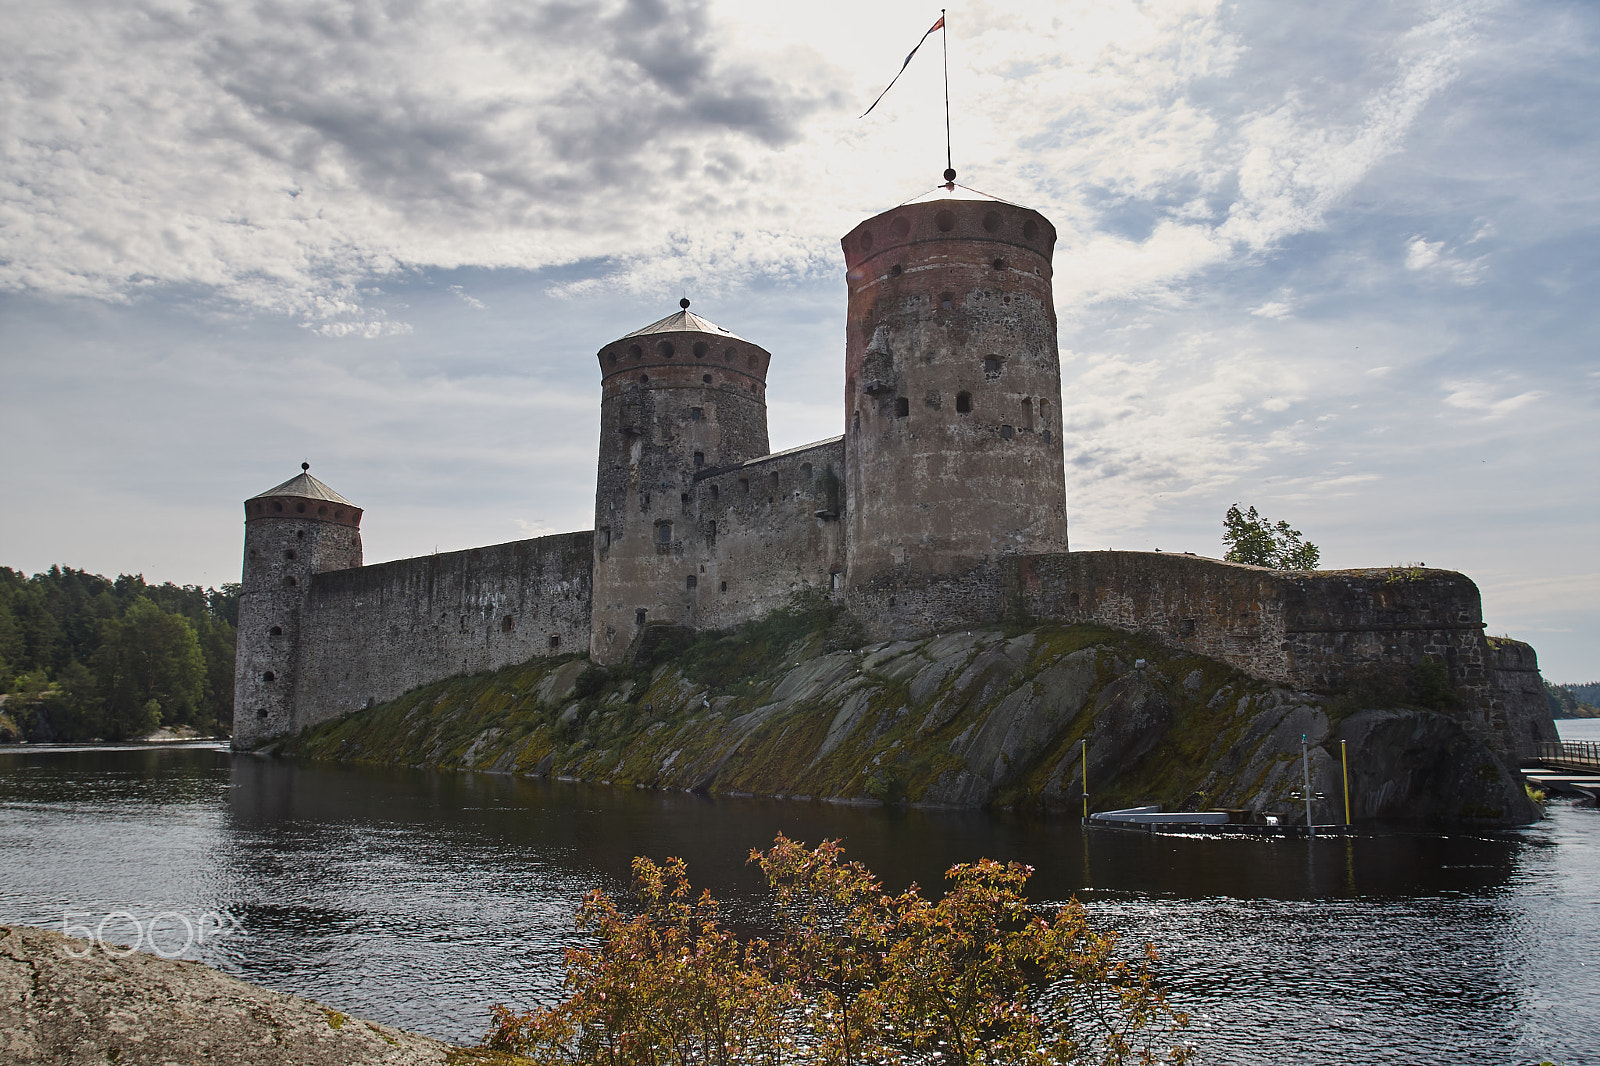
<point x="1569" y="754"/>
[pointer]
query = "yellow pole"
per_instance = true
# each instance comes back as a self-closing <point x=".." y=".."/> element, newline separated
<point x="1344" y="757"/>
<point x="1083" y="764"/>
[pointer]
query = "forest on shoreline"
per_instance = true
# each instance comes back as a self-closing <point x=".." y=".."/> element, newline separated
<point x="86" y="657"/>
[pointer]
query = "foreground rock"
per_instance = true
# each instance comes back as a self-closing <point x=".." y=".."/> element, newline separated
<point x="979" y="718"/>
<point x="107" y="1007"/>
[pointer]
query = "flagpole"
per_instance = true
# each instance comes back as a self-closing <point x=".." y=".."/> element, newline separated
<point x="944" y="39"/>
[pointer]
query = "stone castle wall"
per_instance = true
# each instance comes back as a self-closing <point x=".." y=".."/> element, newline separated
<point x="370" y="634"/>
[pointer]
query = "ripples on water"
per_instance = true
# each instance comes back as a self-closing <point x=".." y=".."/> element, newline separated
<point x="420" y="898"/>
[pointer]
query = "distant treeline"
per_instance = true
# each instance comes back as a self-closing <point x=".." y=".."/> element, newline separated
<point x="85" y="657"/>
<point x="1573" y="701"/>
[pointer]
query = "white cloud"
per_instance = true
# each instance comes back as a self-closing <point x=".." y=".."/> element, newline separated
<point x="1488" y="400"/>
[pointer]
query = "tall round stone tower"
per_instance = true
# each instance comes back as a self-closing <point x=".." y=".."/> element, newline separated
<point x="297" y="529"/>
<point x="679" y="396"/>
<point x="952" y="388"/>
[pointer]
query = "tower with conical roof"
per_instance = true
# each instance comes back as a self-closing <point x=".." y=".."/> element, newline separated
<point x="291" y="531"/>
<point x="953" y="452"/>
<point x="679" y="396"/>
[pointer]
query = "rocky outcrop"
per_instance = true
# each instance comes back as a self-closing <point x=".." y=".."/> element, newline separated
<point x="76" y="1001"/>
<point x="975" y="718"/>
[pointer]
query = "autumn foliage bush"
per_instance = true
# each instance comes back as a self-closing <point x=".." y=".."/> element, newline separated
<point x="852" y="977"/>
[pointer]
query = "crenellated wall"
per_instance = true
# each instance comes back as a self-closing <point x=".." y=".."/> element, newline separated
<point x="369" y="634"/>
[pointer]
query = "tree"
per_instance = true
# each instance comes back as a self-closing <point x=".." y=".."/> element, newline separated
<point x="150" y="669"/>
<point x="854" y="977"/>
<point x="1252" y="539"/>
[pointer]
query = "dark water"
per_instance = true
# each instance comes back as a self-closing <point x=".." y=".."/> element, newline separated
<point x="420" y="898"/>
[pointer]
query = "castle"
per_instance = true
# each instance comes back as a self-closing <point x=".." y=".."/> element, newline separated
<point x="943" y="504"/>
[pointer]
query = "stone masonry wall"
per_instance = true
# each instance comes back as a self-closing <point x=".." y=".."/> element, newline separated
<point x="1321" y="631"/>
<point x="1520" y="691"/>
<point x="369" y="634"/>
<point x="762" y="531"/>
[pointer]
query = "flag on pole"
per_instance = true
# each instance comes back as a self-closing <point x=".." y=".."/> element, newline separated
<point x="939" y="25"/>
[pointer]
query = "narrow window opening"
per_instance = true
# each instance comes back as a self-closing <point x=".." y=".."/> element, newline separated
<point x="289" y="555"/>
<point x="697" y="414"/>
<point x="902" y="407"/>
<point x="275" y="631"/>
<point x="300" y="534"/>
<point x="638" y="617"/>
<point x="706" y="378"/>
<point x="963" y="403"/>
<point x="1027" y="413"/>
<point x="945" y="220"/>
<point x="727" y="354"/>
<point x="715" y="492"/>
<point x="605" y="537"/>
<point x="635" y="352"/>
<point x="692" y="581"/>
<point x="999" y="264"/>
<point x="805" y="470"/>
<point x="269" y="676"/>
<point x="947" y="300"/>
<point x="507" y="624"/>
<point x="644" y="379"/>
<point x="299" y="508"/>
<point x="744" y="485"/>
<point x="896" y="270"/>
<point x="644" y="501"/>
<point x="991" y="221"/>
<point x="1005" y="432"/>
<point x="666" y="349"/>
<point x="1073" y="599"/>
<point x="699" y="460"/>
<point x="699" y="349"/>
<point x="663" y="532"/>
<point x="991" y="364"/>
<point x="724" y="586"/>
<point x="683" y="499"/>
<point x="555" y="641"/>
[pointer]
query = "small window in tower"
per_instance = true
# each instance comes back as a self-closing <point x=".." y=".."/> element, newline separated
<point x="300" y="533"/>
<point x="697" y="414"/>
<point x="683" y="499"/>
<point x="663" y="532"/>
<point x="700" y="349"/>
<point x="1005" y="432"/>
<point x="276" y="506"/>
<point x="1030" y="230"/>
<point x="999" y="264"/>
<point x="727" y="354"/>
<point x="947" y="300"/>
<point x="275" y="631"/>
<point x="644" y="501"/>
<point x="299" y="508"/>
<point x="754" y="360"/>
<point x="666" y="349"/>
<point x="902" y="407"/>
<point x="691" y="581"/>
<point x="866" y="240"/>
<point x="724" y="586"/>
<point x="991" y="221"/>
<point x="896" y="270"/>
<point x="744" y="485"/>
<point x="644" y="379"/>
<point x="705" y="378"/>
<point x="711" y="534"/>
<point x="715" y="492"/>
<point x="604" y="535"/>
<point x="262" y="713"/>
<point x="805" y="471"/>
<point x="991" y="364"/>
<point x="1047" y="436"/>
<point x="1027" y="414"/>
<point x="322" y="512"/>
<point x="945" y="220"/>
<point x="507" y="624"/>
<point x="901" y="227"/>
<point x="635" y="352"/>
<point x="963" y="403"/>
<point x="269" y="677"/>
<point x="555" y="641"/>
<point x="338" y="515"/>
<point x="638" y="617"/>
<point x="289" y="555"/>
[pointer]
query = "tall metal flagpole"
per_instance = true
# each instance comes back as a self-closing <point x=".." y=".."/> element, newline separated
<point x="944" y="39"/>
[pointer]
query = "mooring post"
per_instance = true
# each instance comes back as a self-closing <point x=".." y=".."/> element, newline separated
<point x="1344" y="759"/>
<point x="1083" y="766"/>
<point x="1305" y="765"/>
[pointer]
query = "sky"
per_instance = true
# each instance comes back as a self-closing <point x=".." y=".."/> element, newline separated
<point x="1335" y="261"/>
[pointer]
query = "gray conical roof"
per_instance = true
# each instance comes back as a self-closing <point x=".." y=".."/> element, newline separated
<point x="307" y="487"/>
<point x="685" y="321"/>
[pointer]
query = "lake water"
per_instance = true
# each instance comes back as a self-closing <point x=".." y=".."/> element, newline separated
<point x="420" y="898"/>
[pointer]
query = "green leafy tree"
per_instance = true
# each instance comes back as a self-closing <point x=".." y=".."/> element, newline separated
<point x="150" y="670"/>
<point x="1252" y="539"/>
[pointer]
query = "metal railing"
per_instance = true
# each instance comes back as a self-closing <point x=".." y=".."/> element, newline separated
<point x="1569" y="754"/>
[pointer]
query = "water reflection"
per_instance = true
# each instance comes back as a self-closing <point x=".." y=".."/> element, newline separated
<point x="419" y="898"/>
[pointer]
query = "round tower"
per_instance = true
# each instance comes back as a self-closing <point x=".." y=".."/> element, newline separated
<point x="679" y="396"/>
<point x="297" y="529"/>
<point x="952" y="387"/>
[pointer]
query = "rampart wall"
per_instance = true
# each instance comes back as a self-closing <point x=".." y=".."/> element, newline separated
<point x="764" y="530"/>
<point x="371" y="633"/>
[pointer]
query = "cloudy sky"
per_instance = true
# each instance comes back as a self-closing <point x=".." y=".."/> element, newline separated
<point x="1338" y="261"/>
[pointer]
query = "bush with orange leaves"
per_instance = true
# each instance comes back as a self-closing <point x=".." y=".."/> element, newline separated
<point x="853" y="977"/>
